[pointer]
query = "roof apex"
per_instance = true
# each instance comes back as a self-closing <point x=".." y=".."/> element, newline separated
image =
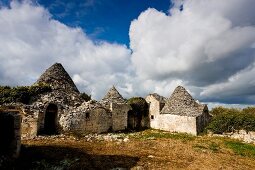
<point x="113" y="96"/>
<point x="57" y="77"/>
<point x="182" y="103"/>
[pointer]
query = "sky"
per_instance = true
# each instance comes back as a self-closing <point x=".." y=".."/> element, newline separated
<point x="207" y="46"/>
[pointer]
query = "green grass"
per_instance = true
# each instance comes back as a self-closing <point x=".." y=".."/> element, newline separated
<point x="243" y="149"/>
<point x="157" y="134"/>
<point x="212" y="146"/>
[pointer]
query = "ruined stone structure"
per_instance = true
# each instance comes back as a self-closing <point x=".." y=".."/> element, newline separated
<point x="179" y="113"/>
<point x="118" y="107"/>
<point x="63" y="110"/>
<point x="138" y="117"/>
<point x="110" y="114"/>
<point x="10" y="127"/>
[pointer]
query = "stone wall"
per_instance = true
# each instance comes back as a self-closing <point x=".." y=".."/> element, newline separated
<point x="33" y="117"/>
<point x="175" y="123"/>
<point x="29" y="127"/>
<point x="86" y="119"/>
<point x="136" y="121"/>
<point x="181" y="113"/>
<point x="119" y="116"/>
<point x="154" y="105"/>
<point x="203" y="120"/>
<point x="10" y="127"/>
<point x="243" y="135"/>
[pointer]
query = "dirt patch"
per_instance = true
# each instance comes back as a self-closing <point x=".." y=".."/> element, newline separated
<point x="136" y="153"/>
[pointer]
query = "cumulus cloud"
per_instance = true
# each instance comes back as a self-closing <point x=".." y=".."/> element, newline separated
<point x="209" y="45"/>
<point x="31" y="41"/>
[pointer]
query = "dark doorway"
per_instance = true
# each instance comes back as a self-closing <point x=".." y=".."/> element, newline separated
<point x="7" y="133"/>
<point x="50" y="120"/>
<point x="134" y="120"/>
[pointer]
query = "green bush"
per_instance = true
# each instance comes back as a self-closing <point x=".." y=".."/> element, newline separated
<point x="85" y="96"/>
<point x="229" y="120"/>
<point x="21" y="94"/>
<point x="250" y="110"/>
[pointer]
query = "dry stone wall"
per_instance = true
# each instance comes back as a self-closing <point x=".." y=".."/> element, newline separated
<point x="88" y="118"/>
<point x="119" y="116"/>
<point x="248" y="137"/>
<point x="10" y="127"/>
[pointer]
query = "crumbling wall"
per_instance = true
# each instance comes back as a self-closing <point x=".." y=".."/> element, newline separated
<point x="119" y="116"/>
<point x="136" y="121"/>
<point x="203" y="120"/>
<point x="88" y="118"/>
<point x="10" y="141"/>
<point x="29" y="127"/>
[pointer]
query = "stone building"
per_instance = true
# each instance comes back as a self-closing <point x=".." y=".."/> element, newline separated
<point x="179" y="113"/>
<point x="63" y="110"/>
<point x="118" y="107"/>
<point x="110" y="114"/>
<point x="10" y="127"/>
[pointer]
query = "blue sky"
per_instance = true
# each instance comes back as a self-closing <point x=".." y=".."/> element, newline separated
<point x="139" y="46"/>
<point x="102" y="19"/>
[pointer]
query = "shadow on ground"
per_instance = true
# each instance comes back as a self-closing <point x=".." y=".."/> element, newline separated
<point x="55" y="157"/>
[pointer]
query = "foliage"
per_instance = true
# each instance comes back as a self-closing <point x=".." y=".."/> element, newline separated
<point x="218" y="110"/>
<point x="242" y="149"/>
<point x="228" y="120"/>
<point x="21" y="94"/>
<point x="250" y="110"/>
<point x="157" y="134"/>
<point x="139" y="105"/>
<point x="85" y="96"/>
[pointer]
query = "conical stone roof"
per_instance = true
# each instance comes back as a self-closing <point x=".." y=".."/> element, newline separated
<point x="57" y="77"/>
<point x="113" y="96"/>
<point x="182" y="103"/>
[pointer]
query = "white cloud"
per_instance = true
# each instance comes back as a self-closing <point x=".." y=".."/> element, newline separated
<point x="208" y="48"/>
<point x="31" y="41"/>
<point x="204" y="45"/>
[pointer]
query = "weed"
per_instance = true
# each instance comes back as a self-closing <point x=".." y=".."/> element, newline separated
<point x="214" y="147"/>
<point x="153" y="134"/>
<point x="240" y="148"/>
<point x="207" y="146"/>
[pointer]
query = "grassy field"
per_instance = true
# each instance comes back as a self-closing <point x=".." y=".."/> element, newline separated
<point x="149" y="149"/>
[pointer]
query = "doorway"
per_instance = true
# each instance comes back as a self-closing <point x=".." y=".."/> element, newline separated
<point x="7" y="133"/>
<point x="50" y="120"/>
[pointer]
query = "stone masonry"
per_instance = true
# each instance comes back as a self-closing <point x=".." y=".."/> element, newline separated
<point x="180" y="113"/>
<point x="118" y="107"/>
<point x="10" y="129"/>
<point x="63" y="110"/>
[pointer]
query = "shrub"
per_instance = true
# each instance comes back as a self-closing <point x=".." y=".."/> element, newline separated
<point x="21" y="94"/>
<point x="85" y="96"/>
<point x="229" y="120"/>
<point x="250" y="110"/>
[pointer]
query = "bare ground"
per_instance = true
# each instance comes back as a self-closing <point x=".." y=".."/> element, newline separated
<point x="140" y="152"/>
